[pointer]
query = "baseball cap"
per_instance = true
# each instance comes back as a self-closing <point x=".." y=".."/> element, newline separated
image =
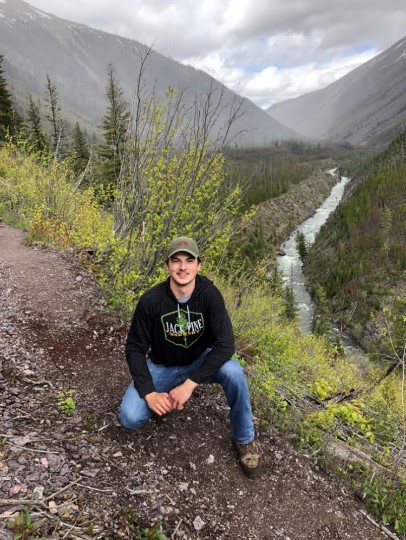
<point x="183" y="243"/>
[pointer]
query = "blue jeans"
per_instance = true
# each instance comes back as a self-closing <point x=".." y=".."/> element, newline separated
<point x="134" y="411"/>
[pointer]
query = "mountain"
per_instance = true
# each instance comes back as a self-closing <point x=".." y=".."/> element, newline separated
<point x="76" y="57"/>
<point x="366" y="106"/>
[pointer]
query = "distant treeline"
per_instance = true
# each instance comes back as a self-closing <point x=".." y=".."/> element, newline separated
<point x="273" y="169"/>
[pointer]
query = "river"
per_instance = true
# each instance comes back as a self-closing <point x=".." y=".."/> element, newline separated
<point x="290" y="264"/>
<point x="290" y="267"/>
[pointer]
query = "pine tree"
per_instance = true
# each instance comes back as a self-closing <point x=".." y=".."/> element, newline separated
<point x="114" y="125"/>
<point x="321" y="321"/>
<point x="7" y="123"/>
<point x="80" y="152"/>
<point x="386" y="225"/>
<point x="289" y="303"/>
<point x="35" y="134"/>
<point x="301" y="246"/>
<point x="276" y="280"/>
<point x="54" y="117"/>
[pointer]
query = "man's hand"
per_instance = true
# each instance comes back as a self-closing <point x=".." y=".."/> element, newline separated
<point x="182" y="393"/>
<point x="159" y="402"/>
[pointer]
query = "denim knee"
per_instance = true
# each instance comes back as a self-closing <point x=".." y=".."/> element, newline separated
<point x="231" y="372"/>
<point x="131" y="421"/>
<point x="134" y="411"/>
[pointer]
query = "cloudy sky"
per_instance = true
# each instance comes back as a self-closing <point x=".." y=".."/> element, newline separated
<point x="266" y="50"/>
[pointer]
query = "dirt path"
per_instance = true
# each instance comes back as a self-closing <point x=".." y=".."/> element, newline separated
<point x="85" y="476"/>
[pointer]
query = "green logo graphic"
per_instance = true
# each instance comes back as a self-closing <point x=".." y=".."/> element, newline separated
<point x="183" y="328"/>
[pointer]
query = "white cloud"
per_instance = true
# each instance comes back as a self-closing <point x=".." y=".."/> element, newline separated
<point x="269" y="50"/>
<point x="272" y="85"/>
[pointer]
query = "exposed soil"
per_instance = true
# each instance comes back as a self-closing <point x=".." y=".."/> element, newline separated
<point x="87" y="477"/>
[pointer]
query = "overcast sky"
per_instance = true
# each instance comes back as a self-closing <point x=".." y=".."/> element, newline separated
<point x="266" y="50"/>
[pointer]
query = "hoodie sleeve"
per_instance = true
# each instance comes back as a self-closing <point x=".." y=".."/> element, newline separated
<point x="137" y="345"/>
<point x="222" y="345"/>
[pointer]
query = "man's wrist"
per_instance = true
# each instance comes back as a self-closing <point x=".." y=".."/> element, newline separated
<point x="150" y="394"/>
<point x="191" y="384"/>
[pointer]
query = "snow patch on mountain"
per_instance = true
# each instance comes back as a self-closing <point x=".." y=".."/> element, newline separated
<point x="42" y="14"/>
<point x="403" y="55"/>
<point x="400" y="44"/>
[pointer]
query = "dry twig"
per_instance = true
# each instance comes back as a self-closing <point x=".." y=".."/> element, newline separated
<point x="380" y="527"/>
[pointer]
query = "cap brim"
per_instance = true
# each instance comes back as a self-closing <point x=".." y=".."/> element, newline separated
<point x="185" y="250"/>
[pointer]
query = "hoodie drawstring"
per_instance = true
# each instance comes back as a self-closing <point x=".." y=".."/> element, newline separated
<point x="188" y="314"/>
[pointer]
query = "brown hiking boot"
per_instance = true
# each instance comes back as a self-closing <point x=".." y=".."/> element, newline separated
<point x="249" y="458"/>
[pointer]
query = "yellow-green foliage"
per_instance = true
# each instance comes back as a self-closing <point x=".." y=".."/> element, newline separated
<point x="350" y="413"/>
<point x="385" y="400"/>
<point x="44" y="194"/>
<point x="281" y="354"/>
<point x="172" y="183"/>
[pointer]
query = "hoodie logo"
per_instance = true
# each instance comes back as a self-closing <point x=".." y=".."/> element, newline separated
<point x="183" y="328"/>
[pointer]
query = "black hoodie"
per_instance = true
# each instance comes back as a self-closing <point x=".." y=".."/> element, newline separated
<point x="176" y="334"/>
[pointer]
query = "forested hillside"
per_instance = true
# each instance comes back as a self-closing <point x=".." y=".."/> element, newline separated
<point x="359" y="257"/>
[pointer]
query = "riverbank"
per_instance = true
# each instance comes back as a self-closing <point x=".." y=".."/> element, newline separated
<point x="279" y="216"/>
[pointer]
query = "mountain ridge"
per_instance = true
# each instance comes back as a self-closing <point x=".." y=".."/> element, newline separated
<point x="75" y="56"/>
<point x="366" y="106"/>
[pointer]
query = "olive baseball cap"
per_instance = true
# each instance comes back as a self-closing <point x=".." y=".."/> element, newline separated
<point x="183" y="243"/>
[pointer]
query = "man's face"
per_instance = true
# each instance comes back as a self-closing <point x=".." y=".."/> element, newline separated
<point x="183" y="268"/>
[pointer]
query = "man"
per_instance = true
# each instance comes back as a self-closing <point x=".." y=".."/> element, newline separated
<point x="183" y="326"/>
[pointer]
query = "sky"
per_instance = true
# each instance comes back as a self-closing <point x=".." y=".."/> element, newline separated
<point x="265" y="50"/>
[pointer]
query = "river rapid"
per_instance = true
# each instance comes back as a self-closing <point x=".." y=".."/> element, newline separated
<point x="290" y="265"/>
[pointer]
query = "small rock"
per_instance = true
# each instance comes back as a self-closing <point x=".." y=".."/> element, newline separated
<point x="53" y="507"/>
<point x="38" y="492"/>
<point x="198" y="523"/>
<point x="210" y="460"/>
<point x="91" y="473"/>
<point x="55" y="462"/>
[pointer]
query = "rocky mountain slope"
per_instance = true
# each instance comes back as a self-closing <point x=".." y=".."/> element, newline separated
<point x="85" y="477"/>
<point x="76" y="57"/>
<point x="366" y="106"/>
